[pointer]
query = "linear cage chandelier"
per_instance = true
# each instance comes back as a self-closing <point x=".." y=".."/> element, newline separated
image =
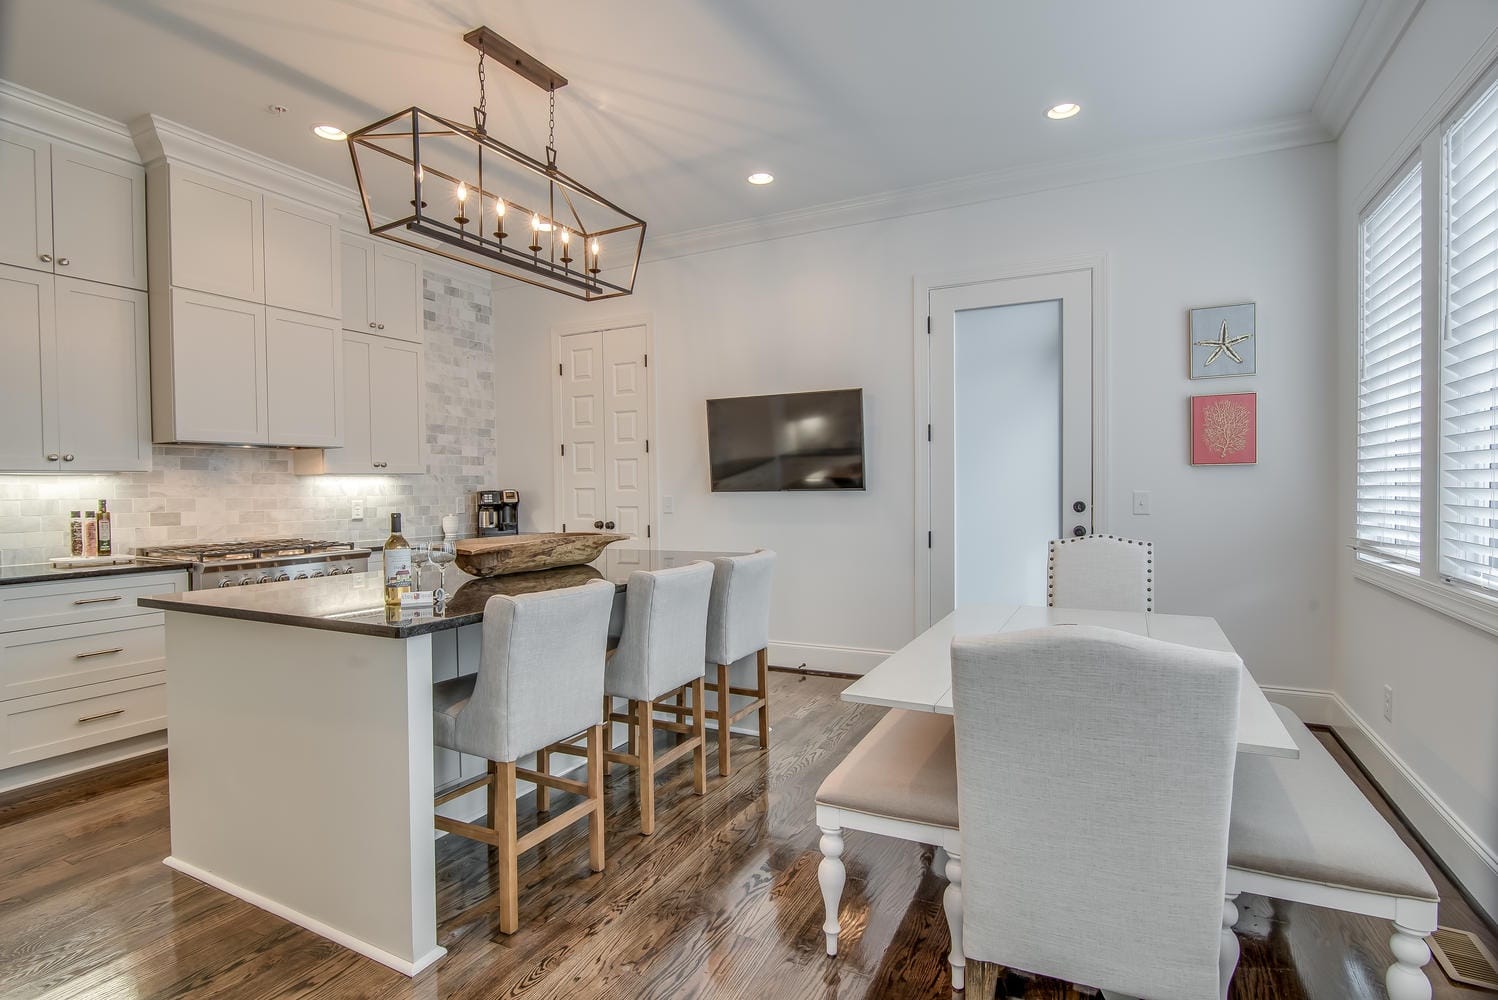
<point x="431" y="183"/>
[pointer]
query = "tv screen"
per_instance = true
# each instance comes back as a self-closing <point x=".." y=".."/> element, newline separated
<point x="794" y="441"/>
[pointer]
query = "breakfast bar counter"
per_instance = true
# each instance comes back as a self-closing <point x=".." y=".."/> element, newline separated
<point x="300" y="733"/>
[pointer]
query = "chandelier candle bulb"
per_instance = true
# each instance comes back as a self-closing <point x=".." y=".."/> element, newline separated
<point x="594" y="248"/>
<point x="460" y="218"/>
<point x="566" y="248"/>
<point x="499" y="219"/>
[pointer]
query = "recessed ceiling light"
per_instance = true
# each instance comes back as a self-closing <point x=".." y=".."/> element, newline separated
<point x="760" y="177"/>
<point x="1060" y="111"/>
<point x="330" y="132"/>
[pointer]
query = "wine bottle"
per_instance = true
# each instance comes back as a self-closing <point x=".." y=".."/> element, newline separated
<point x="106" y="530"/>
<point x="398" y="575"/>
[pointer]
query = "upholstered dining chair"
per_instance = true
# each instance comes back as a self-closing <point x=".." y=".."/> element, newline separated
<point x="540" y="680"/>
<point x="1094" y="787"/>
<point x="1101" y="573"/>
<point x="738" y="635"/>
<point x="659" y="656"/>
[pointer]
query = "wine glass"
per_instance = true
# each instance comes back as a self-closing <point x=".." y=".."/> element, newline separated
<point x="443" y="553"/>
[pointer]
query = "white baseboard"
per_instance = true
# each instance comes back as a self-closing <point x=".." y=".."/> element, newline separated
<point x="1473" y="864"/>
<point x="833" y="659"/>
<point x="409" y="968"/>
<point x="80" y="760"/>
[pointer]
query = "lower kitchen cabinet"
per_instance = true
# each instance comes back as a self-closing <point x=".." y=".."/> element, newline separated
<point x="383" y="411"/>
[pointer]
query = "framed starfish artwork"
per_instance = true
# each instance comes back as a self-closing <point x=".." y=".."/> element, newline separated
<point x="1223" y="341"/>
<point x="1225" y="429"/>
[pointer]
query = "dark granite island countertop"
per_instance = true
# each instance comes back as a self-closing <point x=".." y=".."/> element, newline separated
<point x="48" y="573"/>
<point x="356" y="604"/>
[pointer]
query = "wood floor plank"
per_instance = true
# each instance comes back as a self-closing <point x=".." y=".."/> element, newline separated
<point x="722" y="902"/>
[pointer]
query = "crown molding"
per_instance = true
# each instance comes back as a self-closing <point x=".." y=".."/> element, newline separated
<point x="67" y="122"/>
<point x="1379" y="26"/>
<point x="1286" y="133"/>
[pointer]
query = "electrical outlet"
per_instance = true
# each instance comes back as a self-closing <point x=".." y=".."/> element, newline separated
<point x="357" y="514"/>
<point x="1141" y="502"/>
<point x="668" y="505"/>
<point x="1388" y="703"/>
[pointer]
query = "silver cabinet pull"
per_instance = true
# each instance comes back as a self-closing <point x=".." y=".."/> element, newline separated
<point x="64" y="261"/>
<point x="372" y="326"/>
<point x="67" y="458"/>
<point x="99" y="600"/>
<point x="382" y="326"/>
<point x="101" y="715"/>
<point x="53" y="457"/>
<point x="46" y="258"/>
<point x="98" y="652"/>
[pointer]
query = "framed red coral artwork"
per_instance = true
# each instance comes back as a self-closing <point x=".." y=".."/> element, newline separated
<point x="1225" y="429"/>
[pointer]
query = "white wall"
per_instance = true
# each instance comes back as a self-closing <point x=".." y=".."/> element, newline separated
<point x="1444" y="674"/>
<point x="833" y="309"/>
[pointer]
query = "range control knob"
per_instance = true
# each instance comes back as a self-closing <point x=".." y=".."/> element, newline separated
<point x="301" y="576"/>
<point x="282" y="577"/>
<point x="225" y="582"/>
<point x="319" y="573"/>
<point x="246" y="582"/>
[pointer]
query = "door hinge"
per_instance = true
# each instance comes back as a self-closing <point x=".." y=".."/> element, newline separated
<point x="564" y="450"/>
<point x="928" y="326"/>
<point x="559" y="371"/>
<point x="564" y="527"/>
<point x="647" y="531"/>
<point x="928" y="432"/>
<point x="647" y="361"/>
<point x="928" y="539"/>
<point x="647" y="446"/>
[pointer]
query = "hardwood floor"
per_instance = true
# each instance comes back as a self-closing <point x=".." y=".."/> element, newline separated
<point x="721" y="902"/>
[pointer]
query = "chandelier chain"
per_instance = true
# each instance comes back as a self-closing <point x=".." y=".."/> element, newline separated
<point x="551" y="125"/>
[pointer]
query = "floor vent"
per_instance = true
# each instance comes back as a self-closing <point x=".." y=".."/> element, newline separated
<point x="1464" y="959"/>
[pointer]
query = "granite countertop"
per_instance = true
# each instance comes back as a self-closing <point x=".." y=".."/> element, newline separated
<point x="47" y="573"/>
<point x="356" y="604"/>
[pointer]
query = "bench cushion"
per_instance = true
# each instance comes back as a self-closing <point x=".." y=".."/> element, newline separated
<point x="1305" y="819"/>
<point x="904" y="769"/>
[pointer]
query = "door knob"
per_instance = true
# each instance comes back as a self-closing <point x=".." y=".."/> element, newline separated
<point x="598" y="525"/>
<point x="1079" y="531"/>
<point x="609" y="525"/>
<point x="1079" y="506"/>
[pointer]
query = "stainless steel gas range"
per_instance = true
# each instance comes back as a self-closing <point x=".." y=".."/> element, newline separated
<point x="266" y="560"/>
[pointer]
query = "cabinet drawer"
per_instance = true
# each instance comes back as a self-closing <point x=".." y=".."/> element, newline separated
<point x="51" y="724"/>
<point x="25" y="606"/>
<point x="41" y="660"/>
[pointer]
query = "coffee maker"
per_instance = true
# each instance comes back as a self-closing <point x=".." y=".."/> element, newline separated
<point x="499" y="512"/>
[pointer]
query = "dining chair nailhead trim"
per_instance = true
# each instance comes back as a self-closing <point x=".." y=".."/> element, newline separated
<point x="1149" y="565"/>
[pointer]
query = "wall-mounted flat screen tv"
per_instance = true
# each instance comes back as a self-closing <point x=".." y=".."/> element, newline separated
<point x="793" y="441"/>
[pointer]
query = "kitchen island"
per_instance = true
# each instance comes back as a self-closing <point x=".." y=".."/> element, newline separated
<point x="300" y="738"/>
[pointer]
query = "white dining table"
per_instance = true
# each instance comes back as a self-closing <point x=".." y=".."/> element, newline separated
<point x="918" y="677"/>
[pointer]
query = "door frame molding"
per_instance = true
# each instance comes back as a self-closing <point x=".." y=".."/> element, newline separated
<point x="923" y="285"/>
<point x="558" y="332"/>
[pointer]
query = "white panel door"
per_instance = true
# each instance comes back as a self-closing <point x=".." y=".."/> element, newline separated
<point x="98" y="217"/>
<point x="303" y="379"/>
<point x="25" y="199"/>
<point x="103" y="377"/>
<point x="303" y="271"/>
<point x="583" y="453"/>
<point x="218" y="357"/>
<point x="398" y="296"/>
<point x="357" y="267"/>
<point x="1073" y="384"/>
<point x="626" y="425"/>
<point x="28" y="346"/>
<point x="354" y="457"/>
<point x="396" y="396"/>
<point x="217" y="236"/>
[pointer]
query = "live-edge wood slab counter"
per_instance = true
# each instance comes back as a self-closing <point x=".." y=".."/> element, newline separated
<point x="300" y="734"/>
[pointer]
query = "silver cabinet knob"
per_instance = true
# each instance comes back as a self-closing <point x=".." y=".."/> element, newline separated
<point x="53" y="457"/>
<point x="64" y="261"/>
<point x="67" y="458"/>
<point x="382" y="326"/>
<point x="46" y="258"/>
<point x="373" y="326"/>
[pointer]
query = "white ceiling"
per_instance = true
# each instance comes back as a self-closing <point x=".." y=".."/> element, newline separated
<point x="673" y="102"/>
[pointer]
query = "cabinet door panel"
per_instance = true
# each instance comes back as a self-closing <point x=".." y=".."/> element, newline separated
<point x="303" y="378"/>
<point x="398" y="302"/>
<point x="99" y="217"/>
<point x="396" y="394"/>
<point x="357" y="265"/>
<point x="354" y="456"/>
<point x="218" y="362"/>
<point x="25" y="198"/>
<point x="28" y="346"/>
<point x="103" y="377"/>
<point x="216" y="237"/>
<point x="302" y="270"/>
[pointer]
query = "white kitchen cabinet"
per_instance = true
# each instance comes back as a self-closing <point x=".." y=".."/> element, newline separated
<point x="382" y="290"/>
<point x="303" y="361"/>
<point x="74" y="387"/>
<point x="302" y="250"/>
<point x="69" y="211"/>
<point x="383" y="406"/>
<point x="208" y="369"/>
<point x="207" y="234"/>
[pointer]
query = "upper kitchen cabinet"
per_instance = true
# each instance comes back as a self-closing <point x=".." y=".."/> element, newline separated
<point x="302" y="267"/>
<point x="75" y="385"/>
<point x="383" y="406"/>
<point x="303" y="359"/>
<point x="382" y="291"/>
<point x="70" y="211"/>
<point x="207" y="234"/>
<point x="207" y="369"/>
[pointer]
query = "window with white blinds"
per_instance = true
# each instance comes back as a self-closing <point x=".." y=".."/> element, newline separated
<point x="1469" y="350"/>
<point x="1389" y="363"/>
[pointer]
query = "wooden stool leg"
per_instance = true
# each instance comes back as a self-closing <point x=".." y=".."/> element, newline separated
<point x="699" y="731"/>
<point x="982" y="979"/>
<point x="595" y="793"/>
<point x="725" y="713"/>
<point x="509" y="854"/>
<point x="543" y="794"/>
<point x="764" y="693"/>
<point x="492" y="794"/>
<point x="645" y="737"/>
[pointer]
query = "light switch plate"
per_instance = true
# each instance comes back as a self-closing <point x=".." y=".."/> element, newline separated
<point x="1141" y="502"/>
<point x="668" y="505"/>
<point x="357" y="514"/>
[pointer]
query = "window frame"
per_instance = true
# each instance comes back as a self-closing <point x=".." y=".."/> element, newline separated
<point x="1430" y="587"/>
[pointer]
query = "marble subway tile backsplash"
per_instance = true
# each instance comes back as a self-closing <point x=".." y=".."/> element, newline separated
<point x="202" y="493"/>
